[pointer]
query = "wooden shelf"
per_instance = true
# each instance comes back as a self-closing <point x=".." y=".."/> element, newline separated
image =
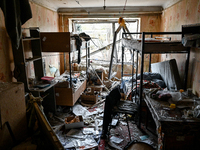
<point x="42" y="90"/>
<point x="30" y="38"/>
<point x="55" y="41"/>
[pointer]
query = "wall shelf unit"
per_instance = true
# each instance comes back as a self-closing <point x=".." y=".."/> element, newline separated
<point x="31" y="45"/>
<point x="62" y="42"/>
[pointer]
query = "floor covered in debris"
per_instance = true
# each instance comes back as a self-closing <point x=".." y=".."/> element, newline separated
<point x="86" y="133"/>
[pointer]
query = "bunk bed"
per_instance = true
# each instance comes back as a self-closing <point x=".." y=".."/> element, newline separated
<point x="153" y="46"/>
<point x="150" y="46"/>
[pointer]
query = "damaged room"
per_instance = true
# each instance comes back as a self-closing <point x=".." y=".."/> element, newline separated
<point x="99" y="74"/>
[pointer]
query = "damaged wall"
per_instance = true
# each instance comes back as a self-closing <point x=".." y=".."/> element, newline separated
<point x="47" y="21"/>
<point x="172" y="19"/>
<point x="43" y="18"/>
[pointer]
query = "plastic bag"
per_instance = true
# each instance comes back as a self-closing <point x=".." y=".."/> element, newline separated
<point x="196" y="112"/>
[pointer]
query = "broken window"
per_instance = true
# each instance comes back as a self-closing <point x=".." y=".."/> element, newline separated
<point x="101" y="32"/>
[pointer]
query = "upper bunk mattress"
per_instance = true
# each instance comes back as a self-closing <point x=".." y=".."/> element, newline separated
<point x="152" y="45"/>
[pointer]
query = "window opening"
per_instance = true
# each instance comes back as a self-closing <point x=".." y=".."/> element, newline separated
<point x="101" y="33"/>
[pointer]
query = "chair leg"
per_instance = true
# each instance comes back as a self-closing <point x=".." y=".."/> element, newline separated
<point x="128" y="127"/>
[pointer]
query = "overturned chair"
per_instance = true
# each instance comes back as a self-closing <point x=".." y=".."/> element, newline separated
<point x="114" y="105"/>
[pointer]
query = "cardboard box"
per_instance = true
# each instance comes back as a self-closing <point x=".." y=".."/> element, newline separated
<point x="89" y="99"/>
<point x="75" y="124"/>
<point x="98" y="88"/>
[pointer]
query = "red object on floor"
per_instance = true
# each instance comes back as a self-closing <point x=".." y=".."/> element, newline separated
<point x="102" y="144"/>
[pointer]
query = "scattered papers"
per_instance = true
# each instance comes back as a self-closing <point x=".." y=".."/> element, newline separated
<point x="114" y="122"/>
<point x="116" y="139"/>
<point x="79" y="110"/>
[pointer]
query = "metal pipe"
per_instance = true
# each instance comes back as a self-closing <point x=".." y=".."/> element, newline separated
<point x="70" y="70"/>
<point x="147" y="33"/>
<point x="132" y="71"/>
<point x="136" y="72"/>
<point x="141" y="78"/>
<point x="150" y="62"/>
<point x="122" y="67"/>
<point x="112" y="53"/>
<point x="86" y="58"/>
<point x="186" y="69"/>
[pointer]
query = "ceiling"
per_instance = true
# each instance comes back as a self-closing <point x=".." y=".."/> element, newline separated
<point x="88" y="5"/>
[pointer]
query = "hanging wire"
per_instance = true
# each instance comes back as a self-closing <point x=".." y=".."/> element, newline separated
<point x="124" y="7"/>
<point x="81" y="6"/>
<point x="104" y="7"/>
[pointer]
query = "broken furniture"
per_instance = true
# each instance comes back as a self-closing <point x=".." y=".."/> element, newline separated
<point x="28" y="56"/>
<point x="173" y="130"/>
<point x="114" y="106"/>
<point x="62" y="42"/>
<point x="66" y="95"/>
<point x="191" y="35"/>
<point x="123" y="26"/>
<point x="89" y="97"/>
<point x="152" y="46"/>
<point x="13" y="124"/>
<point x="38" y="123"/>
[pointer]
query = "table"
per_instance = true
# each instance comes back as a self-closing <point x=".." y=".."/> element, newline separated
<point x="173" y="131"/>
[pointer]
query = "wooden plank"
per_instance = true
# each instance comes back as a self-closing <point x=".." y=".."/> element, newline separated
<point x="46" y="128"/>
<point x="55" y="41"/>
<point x="64" y="96"/>
<point x="78" y="92"/>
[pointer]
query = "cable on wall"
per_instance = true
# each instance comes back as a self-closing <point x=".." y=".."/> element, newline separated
<point x="82" y="6"/>
<point x="124" y="8"/>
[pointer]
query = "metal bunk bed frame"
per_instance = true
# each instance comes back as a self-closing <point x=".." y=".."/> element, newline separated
<point x="142" y="52"/>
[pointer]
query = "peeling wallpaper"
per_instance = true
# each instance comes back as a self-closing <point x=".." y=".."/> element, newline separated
<point x="47" y="21"/>
<point x="184" y="13"/>
<point x="43" y="18"/>
<point x="150" y="23"/>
